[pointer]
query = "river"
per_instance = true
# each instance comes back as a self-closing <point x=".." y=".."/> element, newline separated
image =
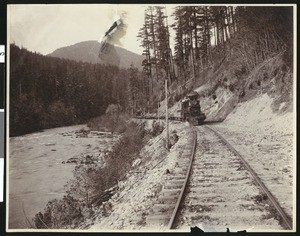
<point x="38" y="168"/>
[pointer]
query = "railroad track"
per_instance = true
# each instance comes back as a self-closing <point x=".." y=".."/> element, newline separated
<point x="169" y="201"/>
<point x="286" y="220"/>
<point x="214" y="186"/>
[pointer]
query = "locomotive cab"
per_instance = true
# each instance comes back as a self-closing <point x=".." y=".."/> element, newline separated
<point x="195" y="116"/>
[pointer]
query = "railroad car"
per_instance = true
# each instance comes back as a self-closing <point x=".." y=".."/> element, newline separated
<point x="191" y="110"/>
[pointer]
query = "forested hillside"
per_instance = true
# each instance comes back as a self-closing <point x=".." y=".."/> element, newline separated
<point x="216" y="46"/>
<point x="48" y="92"/>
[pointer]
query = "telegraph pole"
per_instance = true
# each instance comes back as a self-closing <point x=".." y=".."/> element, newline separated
<point x="167" y="118"/>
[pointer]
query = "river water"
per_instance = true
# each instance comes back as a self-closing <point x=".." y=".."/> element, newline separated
<point x="38" y="168"/>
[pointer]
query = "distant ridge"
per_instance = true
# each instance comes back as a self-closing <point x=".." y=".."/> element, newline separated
<point x="88" y="51"/>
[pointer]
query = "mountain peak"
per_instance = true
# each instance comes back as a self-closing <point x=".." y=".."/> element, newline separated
<point x="88" y="51"/>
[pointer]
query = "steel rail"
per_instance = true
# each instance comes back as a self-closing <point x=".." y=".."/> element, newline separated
<point x="182" y="191"/>
<point x="286" y="219"/>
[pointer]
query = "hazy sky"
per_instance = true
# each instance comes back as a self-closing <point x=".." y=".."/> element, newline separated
<point x="44" y="28"/>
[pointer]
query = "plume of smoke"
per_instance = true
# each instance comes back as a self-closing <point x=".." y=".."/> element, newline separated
<point x="113" y="37"/>
<point x="120" y="32"/>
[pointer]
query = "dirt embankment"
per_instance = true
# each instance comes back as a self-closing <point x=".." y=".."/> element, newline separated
<point x="225" y="85"/>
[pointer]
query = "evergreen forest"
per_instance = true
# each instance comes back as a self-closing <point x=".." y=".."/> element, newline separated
<point x="47" y="92"/>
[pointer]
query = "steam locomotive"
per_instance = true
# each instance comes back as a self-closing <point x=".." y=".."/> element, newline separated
<point x="191" y="110"/>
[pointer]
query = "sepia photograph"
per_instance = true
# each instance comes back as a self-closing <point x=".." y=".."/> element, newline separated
<point x="151" y="118"/>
